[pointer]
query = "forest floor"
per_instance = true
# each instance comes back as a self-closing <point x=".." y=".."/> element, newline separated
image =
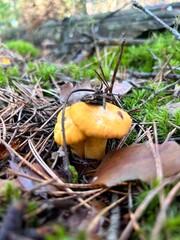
<point x="48" y="192"/>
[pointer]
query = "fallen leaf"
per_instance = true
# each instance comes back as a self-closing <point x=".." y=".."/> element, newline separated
<point x="4" y="153"/>
<point x="5" y="61"/>
<point x="137" y="162"/>
<point x="28" y="184"/>
<point x="68" y="87"/>
<point x="65" y="90"/>
<point x="121" y="88"/>
<point x="172" y="108"/>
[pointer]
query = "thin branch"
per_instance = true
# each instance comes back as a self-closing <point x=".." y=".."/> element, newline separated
<point x="114" y="220"/>
<point x="145" y="10"/>
<point x="155" y="152"/>
<point x="117" y="65"/>
<point x="96" y="219"/>
<point x="104" y="77"/>
<point x="66" y="159"/>
<point x="101" y="78"/>
<point x="158" y="92"/>
<point x="89" y="199"/>
<point x="152" y="75"/>
<point x="170" y="134"/>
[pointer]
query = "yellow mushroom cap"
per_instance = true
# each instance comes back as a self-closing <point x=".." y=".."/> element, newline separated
<point x="97" y="121"/>
<point x="72" y="133"/>
<point x="88" y="126"/>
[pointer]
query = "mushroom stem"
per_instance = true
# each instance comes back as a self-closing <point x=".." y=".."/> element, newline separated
<point x="95" y="147"/>
<point x="91" y="148"/>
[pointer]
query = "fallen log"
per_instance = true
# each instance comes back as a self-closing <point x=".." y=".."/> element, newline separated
<point x="67" y="37"/>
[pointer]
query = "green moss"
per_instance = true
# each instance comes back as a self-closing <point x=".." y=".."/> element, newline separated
<point x="152" y="111"/>
<point x="78" y="72"/>
<point x="138" y="57"/>
<point x="45" y="71"/>
<point x="171" y="225"/>
<point x="11" y="193"/>
<point x="24" y="48"/>
<point x="83" y="70"/>
<point x="7" y="75"/>
<point x="3" y="77"/>
<point x="173" y="222"/>
<point x="8" y="193"/>
<point x="31" y="207"/>
<point x="42" y="72"/>
<point x="141" y="57"/>
<point x="13" y="71"/>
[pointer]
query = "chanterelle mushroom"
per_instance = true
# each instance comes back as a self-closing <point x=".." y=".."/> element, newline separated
<point x="88" y="126"/>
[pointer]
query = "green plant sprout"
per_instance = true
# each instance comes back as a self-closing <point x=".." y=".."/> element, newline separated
<point x="8" y="193"/>
<point x="62" y="234"/>
<point x="74" y="174"/>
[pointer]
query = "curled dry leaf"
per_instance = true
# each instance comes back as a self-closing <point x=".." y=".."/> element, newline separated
<point x="137" y="162"/>
<point x="172" y="108"/>
<point x="29" y="184"/>
<point x="4" y="153"/>
<point x="68" y="87"/>
<point x="121" y="88"/>
<point x="4" y="61"/>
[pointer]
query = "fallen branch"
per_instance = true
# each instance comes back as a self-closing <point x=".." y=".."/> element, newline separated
<point x="152" y="75"/>
<point x="145" y="10"/>
<point x="100" y="41"/>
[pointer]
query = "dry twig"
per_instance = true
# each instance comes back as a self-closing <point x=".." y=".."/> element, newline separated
<point x="172" y="30"/>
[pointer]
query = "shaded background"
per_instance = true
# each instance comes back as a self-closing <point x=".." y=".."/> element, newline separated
<point x="32" y="13"/>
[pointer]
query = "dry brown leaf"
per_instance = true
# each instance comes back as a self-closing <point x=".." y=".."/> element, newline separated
<point x="28" y="184"/>
<point x="172" y="108"/>
<point x="137" y="162"/>
<point x="121" y="88"/>
<point x="5" y="61"/>
<point x="68" y="87"/>
<point x="4" y="153"/>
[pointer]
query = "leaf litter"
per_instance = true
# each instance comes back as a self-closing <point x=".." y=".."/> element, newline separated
<point x="28" y="117"/>
<point x="137" y="163"/>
